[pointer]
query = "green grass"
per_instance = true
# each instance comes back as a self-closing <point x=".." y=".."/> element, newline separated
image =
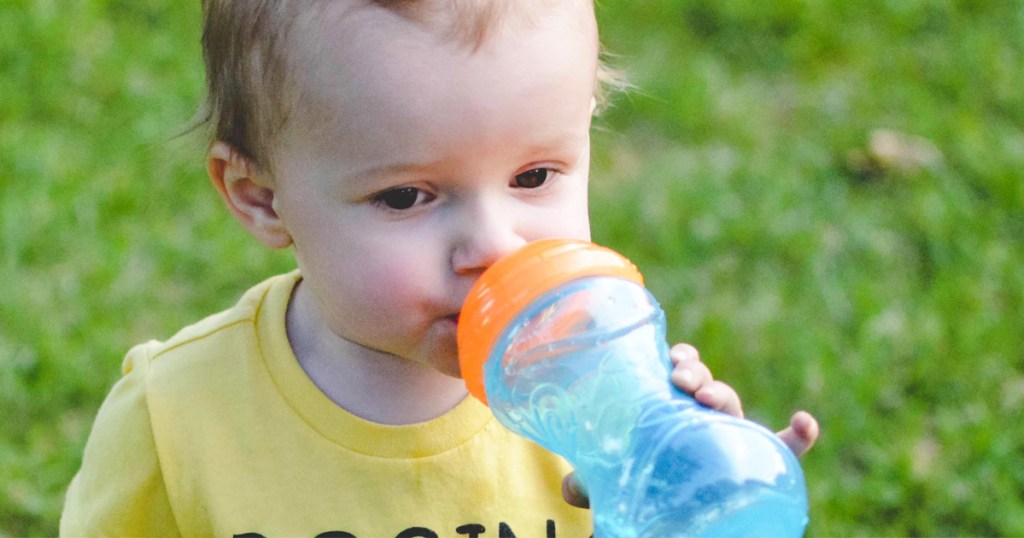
<point x="886" y="295"/>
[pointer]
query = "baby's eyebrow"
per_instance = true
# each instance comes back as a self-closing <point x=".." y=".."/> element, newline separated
<point x="558" y="143"/>
<point x="569" y="140"/>
<point x="396" y="169"/>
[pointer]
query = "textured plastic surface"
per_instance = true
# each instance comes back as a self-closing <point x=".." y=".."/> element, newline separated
<point x="582" y="368"/>
<point x="508" y="286"/>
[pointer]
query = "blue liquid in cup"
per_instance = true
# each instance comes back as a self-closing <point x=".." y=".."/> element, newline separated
<point x="584" y="371"/>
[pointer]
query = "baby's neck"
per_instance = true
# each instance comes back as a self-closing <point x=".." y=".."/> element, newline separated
<point x="373" y="385"/>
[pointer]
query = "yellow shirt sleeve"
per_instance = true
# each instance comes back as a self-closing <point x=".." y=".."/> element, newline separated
<point x="119" y="490"/>
<point x="218" y="431"/>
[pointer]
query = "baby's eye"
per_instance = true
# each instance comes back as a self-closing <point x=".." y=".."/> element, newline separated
<point x="531" y="179"/>
<point x="403" y="198"/>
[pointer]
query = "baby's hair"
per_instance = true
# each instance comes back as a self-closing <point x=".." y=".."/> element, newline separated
<point x="246" y="47"/>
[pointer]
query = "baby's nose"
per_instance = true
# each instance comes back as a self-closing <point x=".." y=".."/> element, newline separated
<point x="483" y="240"/>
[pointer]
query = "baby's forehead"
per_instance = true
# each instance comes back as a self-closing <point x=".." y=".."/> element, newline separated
<point x="364" y="70"/>
<point x="466" y="22"/>
<point x="336" y="40"/>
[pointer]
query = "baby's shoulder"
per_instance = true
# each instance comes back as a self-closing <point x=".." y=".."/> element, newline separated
<point x="218" y="344"/>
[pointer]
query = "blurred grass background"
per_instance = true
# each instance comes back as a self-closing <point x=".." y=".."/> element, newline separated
<point x="826" y="196"/>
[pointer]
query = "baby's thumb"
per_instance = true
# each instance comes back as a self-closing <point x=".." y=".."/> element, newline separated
<point x="801" y="434"/>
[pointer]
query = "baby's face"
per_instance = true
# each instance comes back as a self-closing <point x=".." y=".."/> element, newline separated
<point x="414" y="162"/>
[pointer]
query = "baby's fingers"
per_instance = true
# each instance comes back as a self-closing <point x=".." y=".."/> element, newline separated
<point x="720" y="396"/>
<point x="693" y="377"/>
<point x="689" y="373"/>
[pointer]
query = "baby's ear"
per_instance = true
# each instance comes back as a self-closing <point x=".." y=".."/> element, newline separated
<point x="247" y="193"/>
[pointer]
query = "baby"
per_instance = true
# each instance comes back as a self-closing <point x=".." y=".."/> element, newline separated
<point x="399" y="147"/>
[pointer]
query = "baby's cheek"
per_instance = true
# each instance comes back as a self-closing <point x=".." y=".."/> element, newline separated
<point x="391" y="287"/>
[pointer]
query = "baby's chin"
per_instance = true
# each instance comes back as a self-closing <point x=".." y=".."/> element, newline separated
<point x="442" y="354"/>
<point x="449" y="365"/>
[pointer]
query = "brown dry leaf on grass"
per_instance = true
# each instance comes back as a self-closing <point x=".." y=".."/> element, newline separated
<point x="892" y="153"/>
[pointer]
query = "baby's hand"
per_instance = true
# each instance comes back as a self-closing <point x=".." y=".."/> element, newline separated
<point x="694" y="378"/>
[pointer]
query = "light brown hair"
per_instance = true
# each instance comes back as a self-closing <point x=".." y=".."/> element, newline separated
<point x="250" y="90"/>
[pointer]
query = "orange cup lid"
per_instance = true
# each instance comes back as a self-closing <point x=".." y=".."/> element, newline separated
<point x="513" y="282"/>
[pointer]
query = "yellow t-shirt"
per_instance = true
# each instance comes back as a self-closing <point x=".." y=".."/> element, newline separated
<point x="219" y="431"/>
